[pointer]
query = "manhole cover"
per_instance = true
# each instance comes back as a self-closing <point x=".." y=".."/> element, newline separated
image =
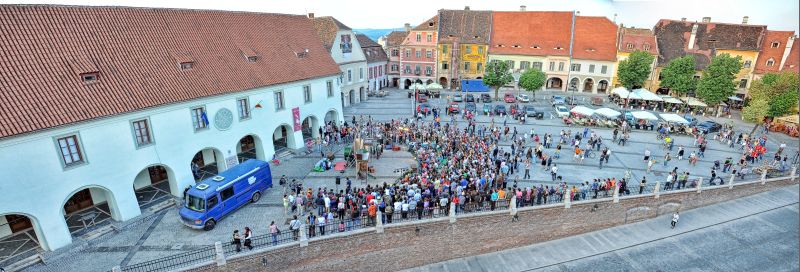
<point x="177" y="247"/>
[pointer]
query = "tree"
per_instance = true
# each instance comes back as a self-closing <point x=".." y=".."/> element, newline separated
<point x="718" y="80"/>
<point x="678" y="75"/>
<point x="780" y="90"/>
<point x="497" y="75"/>
<point x="756" y="112"/>
<point x="633" y="71"/>
<point x="532" y="80"/>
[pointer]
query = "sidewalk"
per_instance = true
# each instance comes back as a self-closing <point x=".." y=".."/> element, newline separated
<point x="750" y="233"/>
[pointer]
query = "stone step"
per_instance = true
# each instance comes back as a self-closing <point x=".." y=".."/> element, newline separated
<point x="24" y="263"/>
<point x="98" y="232"/>
<point x="162" y="205"/>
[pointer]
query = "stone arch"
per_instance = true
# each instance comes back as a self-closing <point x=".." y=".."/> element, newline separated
<point x="429" y="81"/>
<point x="332" y="116"/>
<point x="24" y="234"/>
<point x="283" y="137"/>
<point x="352" y="97"/>
<point x="407" y="83"/>
<point x="418" y="81"/>
<point x="554" y="83"/>
<point x="310" y="127"/>
<point x="668" y="207"/>
<point x="573" y="84"/>
<point x="206" y="163"/>
<point x="602" y="86"/>
<point x="362" y="95"/>
<point x="250" y="147"/>
<point x="443" y="82"/>
<point x="588" y="85"/>
<point x="154" y="184"/>
<point x="89" y="206"/>
<point x="637" y="214"/>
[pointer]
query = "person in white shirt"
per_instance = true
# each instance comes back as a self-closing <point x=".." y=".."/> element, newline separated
<point x="675" y="217"/>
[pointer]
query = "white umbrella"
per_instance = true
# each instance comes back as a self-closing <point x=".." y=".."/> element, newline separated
<point x="608" y="113"/>
<point x="582" y="110"/>
<point x="644" y="94"/>
<point x="670" y="99"/>
<point x="735" y="98"/>
<point x="644" y="115"/>
<point x="693" y="102"/>
<point x="418" y="86"/>
<point x="434" y="86"/>
<point x="673" y="118"/>
<point x="621" y="92"/>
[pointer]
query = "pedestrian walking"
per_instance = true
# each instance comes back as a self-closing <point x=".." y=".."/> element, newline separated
<point x="646" y="155"/>
<point x="237" y="240"/>
<point x="667" y="158"/>
<point x="650" y="164"/>
<point x="295" y="226"/>
<point x="675" y="218"/>
<point x="274" y="231"/>
<point x="642" y="185"/>
<point x="553" y="172"/>
<point x="248" y="235"/>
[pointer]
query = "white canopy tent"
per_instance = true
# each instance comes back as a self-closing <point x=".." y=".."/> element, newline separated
<point x="621" y="92"/>
<point x="673" y="118"/>
<point x="434" y="86"/>
<point x="644" y="115"/>
<point x="608" y="113"/>
<point x="644" y="94"/>
<point x="418" y="86"/>
<point x="734" y="98"/>
<point x="582" y="110"/>
<point x="671" y="100"/>
<point x="691" y="101"/>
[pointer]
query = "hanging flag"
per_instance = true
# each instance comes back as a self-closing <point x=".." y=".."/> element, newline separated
<point x="205" y="118"/>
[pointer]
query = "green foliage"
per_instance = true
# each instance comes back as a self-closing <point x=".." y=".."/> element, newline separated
<point x="633" y="71"/>
<point x="779" y="90"/>
<point x="532" y="80"/>
<point x="718" y="80"/>
<point x="756" y="111"/>
<point x="678" y="75"/>
<point x="497" y="75"/>
<point x="783" y="104"/>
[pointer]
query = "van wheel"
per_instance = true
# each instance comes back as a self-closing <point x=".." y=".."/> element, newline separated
<point x="255" y="197"/>
<point x="209" y="225"/>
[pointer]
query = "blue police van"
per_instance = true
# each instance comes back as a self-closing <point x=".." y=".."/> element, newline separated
<point x="215" y="197"/>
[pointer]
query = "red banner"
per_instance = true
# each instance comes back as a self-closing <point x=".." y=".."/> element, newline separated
<point x="296" y="114"/>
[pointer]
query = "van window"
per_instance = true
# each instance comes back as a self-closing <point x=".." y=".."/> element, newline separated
<point x="195" y="203"/>
<point x="227" y="193"/>
<point x="212" y="202"/>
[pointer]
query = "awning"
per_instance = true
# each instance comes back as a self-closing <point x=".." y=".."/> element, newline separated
<point x="734" y="98"/>
<point x="607" y="112"/>
<point x="582" y="110"/>
<point x="644" y="94"/>
<point x="434" y="86"/>
<point x="621" y="92"/>
<point x="417" y="86"/>
<point x="691" y="101"/>
<point x="644" y="115"/>
<point x="671" y="100"/>
<point x="673" y="118"/>
<point x="794" y="119"/>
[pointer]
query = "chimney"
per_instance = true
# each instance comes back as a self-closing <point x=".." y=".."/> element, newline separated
<point x="706" y="19"/>
<point x="683" y="19"/>
<point x="466" y="7"/>
<point x="693" y="36"/>
<point x="408" y="27"/>
<point x="310" y="15"/>
<point x="745" y="19"/>
<point x="578" y="13"/>
<point x="522" y="8"/>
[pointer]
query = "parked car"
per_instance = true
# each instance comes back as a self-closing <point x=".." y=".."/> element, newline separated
<point x="424" y="108"/>
<point x="562" y="111"/>
<point x="523" y="98"/>
<point x="530" y="111"/>
<point x="486" y="98"/>
<point x="557" y="100"/>
<point x="458" y="98"/>
<point x="691" y="119"/>
<point x="469" y="98"/>
<point x="471" y="107"/>
<point x="435" y="93"/>
<point x="509" y="98"/>
<point x="570" y="101"/>
<point x="499" y="109"/>
<point x="708" y="127"/>
<point x="487" y="108"/>
<point x="421" y="99"/>
<point x="453" y="108"/>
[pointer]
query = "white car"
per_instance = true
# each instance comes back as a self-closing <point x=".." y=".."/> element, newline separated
<point x="523" y="98"/>
<point x="562" y="111"/>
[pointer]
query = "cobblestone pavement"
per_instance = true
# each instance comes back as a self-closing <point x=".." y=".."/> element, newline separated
<point x="163" y="234"/>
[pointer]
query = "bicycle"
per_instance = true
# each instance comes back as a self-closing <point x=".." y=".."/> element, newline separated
<point x="591" y="154"/>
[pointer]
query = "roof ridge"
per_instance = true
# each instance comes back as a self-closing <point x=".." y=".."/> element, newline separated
<point x="147" y="8"/>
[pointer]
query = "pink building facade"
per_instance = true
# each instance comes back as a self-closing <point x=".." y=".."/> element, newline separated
<point x="418" y="54"/>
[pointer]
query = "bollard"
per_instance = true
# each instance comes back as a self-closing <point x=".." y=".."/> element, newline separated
<point x="699" y="184"/>
<point x="303" y="236"/>
<point x="794" y="172"/>
<point x="764" y="177"/>
<point x="220" y="253"/>
<point x="379" y="222"/>
<point x="116" y="269"/>
<point x="616" y="193"/>
<point x="657" y="189"/>
<point x="567" y="200"/>
<point x="452" y="213"/>
<point x="730" y="183"/>
<point x="513" y="205"/>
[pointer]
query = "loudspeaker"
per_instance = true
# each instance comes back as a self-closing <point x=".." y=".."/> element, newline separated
<point x="338" y="180"/>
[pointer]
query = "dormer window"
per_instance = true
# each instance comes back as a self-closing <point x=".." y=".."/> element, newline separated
<point x="590" y="50"/>
<point x="475" y="37"/>
<point x="536" y="46"/>
<point x="559" y="48"/>
<point x="90" y="77"/>
<point x="187" y="65"/>
<point x="252" y="58"/>
<point x="430" y="24"/>
<point x="629" y="46"/>
<point x="775" y="44"/>
<point x="516" y="46"/>
<point x="501" y="45"/>
<point x="770" y="62"/>
<point x="646" y="47"/>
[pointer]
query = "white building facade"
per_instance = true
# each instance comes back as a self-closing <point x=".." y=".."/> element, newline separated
<point x="591" y="76"/>
<point x="344" y="48"/>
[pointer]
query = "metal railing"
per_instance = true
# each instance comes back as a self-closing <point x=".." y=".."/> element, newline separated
<point x="174" y="261"/>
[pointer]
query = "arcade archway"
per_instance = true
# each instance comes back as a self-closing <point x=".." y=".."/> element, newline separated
<point x="207" y="163"/>
<point x="154" y="184"/>
<point x="282" y="138"/>
<point x="249" y="147"/>
<point x="89" y="208"/>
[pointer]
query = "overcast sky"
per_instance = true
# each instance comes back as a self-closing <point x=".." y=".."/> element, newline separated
<point x="777" y="14"/>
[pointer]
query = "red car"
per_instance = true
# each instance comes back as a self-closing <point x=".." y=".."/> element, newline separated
<point x="421" y="99"/>
<point x="453" y="108"/>
<point x="509" y="98"/>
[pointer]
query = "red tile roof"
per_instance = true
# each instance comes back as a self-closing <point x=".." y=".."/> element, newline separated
<point x="372" y="50"/>
<point x="767" y="52"/>
<point x="326" y="27"/>
<point x="429" y="25"/>
<point x="595" y="39"/>
<point x="793" y="61"/>
<point x="545" y="29"/>
<point x="638" y="38"/>
<point x="396" y="38"/>
<point x="673" y="39"/>
<point x="136" y="52"/>
<point x="465" y="26"/>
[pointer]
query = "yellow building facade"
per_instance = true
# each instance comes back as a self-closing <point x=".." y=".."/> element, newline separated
<point x="745" y="76"/>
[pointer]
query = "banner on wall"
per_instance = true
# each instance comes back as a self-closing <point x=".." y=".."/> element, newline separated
<point x="296" y="114"/>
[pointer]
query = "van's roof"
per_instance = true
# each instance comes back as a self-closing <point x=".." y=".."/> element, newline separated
<point x="229" y="175"/>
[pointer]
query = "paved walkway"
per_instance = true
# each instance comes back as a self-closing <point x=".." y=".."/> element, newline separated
<point x="756" y="233"/>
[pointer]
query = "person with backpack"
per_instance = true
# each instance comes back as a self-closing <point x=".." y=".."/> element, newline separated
<point x="294" y="226"/>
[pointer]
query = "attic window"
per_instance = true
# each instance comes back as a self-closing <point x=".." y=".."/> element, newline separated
<point x="501" y="45"/>
<point x="476" y="36"/>
<point x="90" y="77"/>
<point x="536" y="46"/>
<point x="630" y="46"/>
<point x="187" y="65"/>
<point x="430" y="24"/>
<point x="252" y="58"/>
<point x="775" y="44"/>
<point x="450" y="36"/>
<point x="590" y="50"/>
<point x="516" y="46"/>
<point x="301" y="54"/>
<point x="646" y="47"/>
<point x="559" y="48"/>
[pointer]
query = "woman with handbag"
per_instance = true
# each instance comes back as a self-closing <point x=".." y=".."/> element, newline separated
<point x="237" y="240"/>
<point x="248" y="234"/>
<point x="274" y="231"/>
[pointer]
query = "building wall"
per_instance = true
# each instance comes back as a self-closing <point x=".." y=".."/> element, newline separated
<point x="747" y="71"/>
<point x="482" y="233"/>
<point x="423" y="61"/>
<point x="649" y="84"/>
<point x="355" y="83"/>
<point x="32" y="164"/>
<point x="597" y="76"/>
<point x="378" y="78"/>
<point x="478" y="54"/>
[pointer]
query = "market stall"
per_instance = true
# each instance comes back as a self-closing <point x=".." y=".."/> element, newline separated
<point x="787" y="124"/>
<point x="675" y="123"/>
<point x="607" y="117"/>
<point x="644" y="120"/>
<point x="694" y="105"/>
